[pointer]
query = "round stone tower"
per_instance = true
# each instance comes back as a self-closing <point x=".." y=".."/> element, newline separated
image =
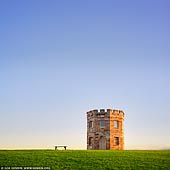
<point x="105" y="129"/>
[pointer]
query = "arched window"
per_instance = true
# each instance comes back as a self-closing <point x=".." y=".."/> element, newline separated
<point x="116" y="140"/>
<point x="90" y="124"/>
<point x="90" y="141"/>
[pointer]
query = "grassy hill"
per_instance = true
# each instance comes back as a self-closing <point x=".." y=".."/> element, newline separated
<point x="84" y="160"/>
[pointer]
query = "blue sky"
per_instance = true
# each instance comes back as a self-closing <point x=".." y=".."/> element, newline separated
<point x="60" y="59"/>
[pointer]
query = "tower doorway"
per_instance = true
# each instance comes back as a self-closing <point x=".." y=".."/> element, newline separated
<point x="102" y="143"/>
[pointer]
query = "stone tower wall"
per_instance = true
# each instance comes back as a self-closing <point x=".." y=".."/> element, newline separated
<point x="101" y="133"/>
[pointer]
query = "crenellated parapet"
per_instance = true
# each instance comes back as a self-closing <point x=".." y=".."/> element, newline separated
<point x="109" y="112"/>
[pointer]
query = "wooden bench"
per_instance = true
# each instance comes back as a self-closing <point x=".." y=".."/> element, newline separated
<point x="65" y="147"/>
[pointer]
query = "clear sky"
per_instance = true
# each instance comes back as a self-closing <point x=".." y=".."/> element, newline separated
<point x="60" y="59"/>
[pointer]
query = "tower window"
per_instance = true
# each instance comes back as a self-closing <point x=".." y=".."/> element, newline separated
<point x="116" y="124"/>
<point x="90" y="124"/>
<point x="116" y="140"/>
<point x="102" y="123"/>
<point x="90" y="141"/>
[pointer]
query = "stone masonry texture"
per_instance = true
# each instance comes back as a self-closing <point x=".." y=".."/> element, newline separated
<point x="105" y="129"/>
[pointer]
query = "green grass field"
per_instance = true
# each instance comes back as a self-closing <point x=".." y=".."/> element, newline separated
<point x="84" y="160"/>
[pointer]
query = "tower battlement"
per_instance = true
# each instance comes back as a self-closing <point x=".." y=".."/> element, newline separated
<point x="105" y="129"/>
<point x="105" y="111"/>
